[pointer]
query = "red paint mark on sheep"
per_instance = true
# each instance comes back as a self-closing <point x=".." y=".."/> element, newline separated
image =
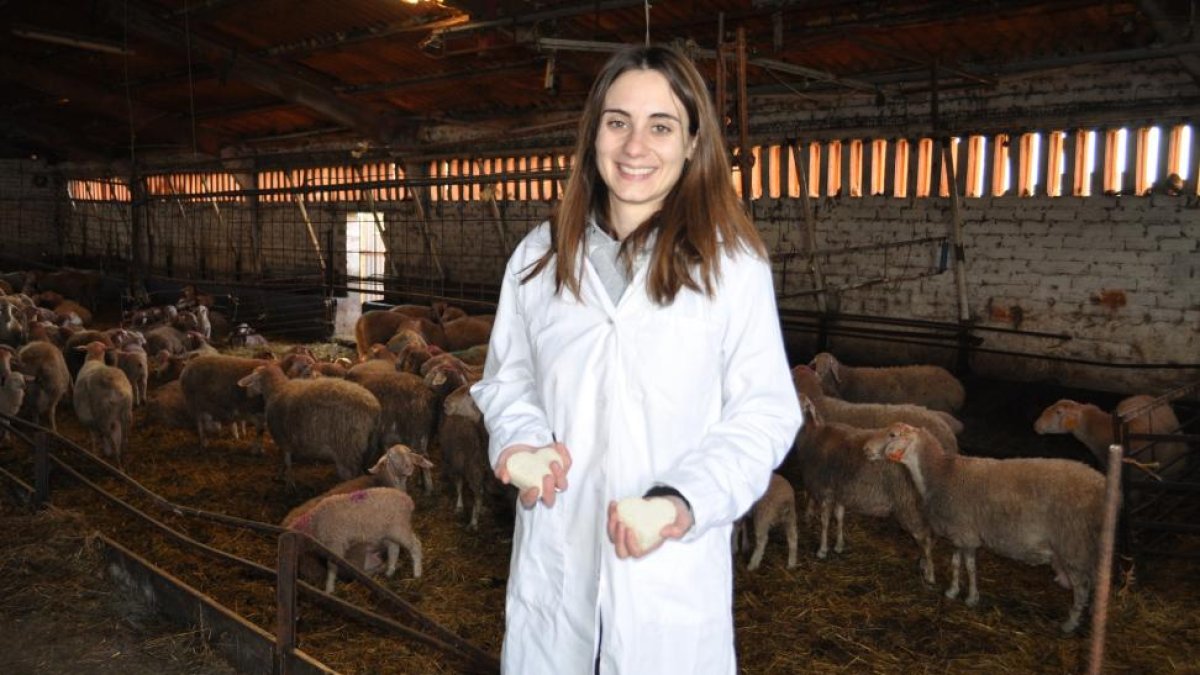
<point x="360" y="496"/>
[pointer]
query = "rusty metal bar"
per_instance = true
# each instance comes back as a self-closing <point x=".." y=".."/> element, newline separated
<point x="1112" y="500"/>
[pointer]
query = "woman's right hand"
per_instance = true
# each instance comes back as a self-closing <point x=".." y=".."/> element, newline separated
<point x="553" y="482"/>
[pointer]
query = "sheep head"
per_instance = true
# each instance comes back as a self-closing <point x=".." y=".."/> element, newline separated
<point x="1062" y="417"/>
<point x="894" y="442"/>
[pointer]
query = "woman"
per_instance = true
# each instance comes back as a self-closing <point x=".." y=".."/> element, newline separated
<point x="637" y="333"/>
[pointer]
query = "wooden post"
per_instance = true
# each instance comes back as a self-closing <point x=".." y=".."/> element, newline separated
<point x="1112" y="498"/>
<point x="418" y="194"/>
<point x="312" y="233"/>
<point x="745" y="158"/>
<point x="137" y="231"/>
<point x="810" y="230"/>
<point x="291" y="544"/>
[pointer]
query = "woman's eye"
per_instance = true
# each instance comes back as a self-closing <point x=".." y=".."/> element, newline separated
<point x="615" y="124"/>
<point x="662" y="129"/>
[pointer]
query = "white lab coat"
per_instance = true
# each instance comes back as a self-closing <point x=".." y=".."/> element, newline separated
<point x="695" y="395"/>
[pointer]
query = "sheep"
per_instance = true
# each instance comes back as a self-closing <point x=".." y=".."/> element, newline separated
<point x="103" y="401"/>
<point x="12" y="387"/>
<point x="827" y="459"/>
<point x="408" y="408"/>
<point x="47" y="380"/>
<point x="776" y="507"/>
<point x="210" y="385"/>
<point x="83" y="285"/>
<point x="13" y="324"/>
<point x="377" y="326"/>
<point x="1035" y="510"/>
<point x="466" y="332"/>
<point x="392" y="470"/>
<point x="244" y="336"/>
<point x="1094" y="428"/>
<point x="374" y="516"/>
<point x="165" y="337"/>
<point x="62" y="307"/>
<point x="167" y="407"/>
<point x="75" y="355"/>
<point x="324" y="418"/>
<point x="132" y="361"/>
<point x="463" y="440"/>
<point x="874" y="415"/>
<point x="930" y="386"/>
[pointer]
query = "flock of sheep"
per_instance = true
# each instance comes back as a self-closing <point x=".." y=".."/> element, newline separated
<point x="876" y="441"/>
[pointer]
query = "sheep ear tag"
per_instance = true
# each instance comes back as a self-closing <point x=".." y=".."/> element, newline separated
<point x="896" y="454"/>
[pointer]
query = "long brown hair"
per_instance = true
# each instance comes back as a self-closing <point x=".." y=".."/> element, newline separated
<point x="700" y="216"/>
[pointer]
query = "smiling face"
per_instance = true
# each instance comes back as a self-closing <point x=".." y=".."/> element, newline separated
<point x="641" y="146"/>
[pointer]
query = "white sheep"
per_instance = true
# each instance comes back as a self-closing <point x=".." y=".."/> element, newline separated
<point x="827" y="459"/>
<point x="376" y="516"/>
<point x="942" y="425"/>
<point x="1035" y="510"/>
<point x="776" y="507"/>
<point x="103" y="401"/>
<point x="1094" y="428"/>
<point x="931" y="386"/>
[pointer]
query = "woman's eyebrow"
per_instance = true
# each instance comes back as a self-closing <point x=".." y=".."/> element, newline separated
<point x="618" y="111"/>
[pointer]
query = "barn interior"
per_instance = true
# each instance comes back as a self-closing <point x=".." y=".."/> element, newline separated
<point x="1006" y="190"/>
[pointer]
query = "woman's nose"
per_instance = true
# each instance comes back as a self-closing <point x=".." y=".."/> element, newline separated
<point x="634" y="142"/>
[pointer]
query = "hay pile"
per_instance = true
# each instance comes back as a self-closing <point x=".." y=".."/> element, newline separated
<point x="863" y="611"/>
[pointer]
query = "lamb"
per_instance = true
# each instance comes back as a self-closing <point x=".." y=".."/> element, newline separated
<point x="325" y="418"/>
<point x="62" y="307"/>
<point x="74" y="351"/>
<point x="1034" y="510"/>
<point x="375" y="516"/>
<point x="827" y="459"/>
<point x="930" y="386"/>
<point x="776" y="507"/>
<point x="103" y="401"/>
<point x="874" y="415"/>
<point x="392" y="470"/>
<point x="1094" y="428"/>
<point x="210" y="385"/>
<point x="47" y="380"/>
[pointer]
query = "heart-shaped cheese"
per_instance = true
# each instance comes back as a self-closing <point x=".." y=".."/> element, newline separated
<point x="647" y="517"/>
<point x="527" y="469"/>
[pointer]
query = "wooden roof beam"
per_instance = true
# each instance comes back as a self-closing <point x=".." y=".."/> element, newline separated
<point x="110" y="105"/>
<point x="1170" y="34"/>
<point x="254" y="71"/>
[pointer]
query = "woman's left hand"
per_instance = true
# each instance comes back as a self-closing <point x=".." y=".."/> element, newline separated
<point x="625" y="539"/>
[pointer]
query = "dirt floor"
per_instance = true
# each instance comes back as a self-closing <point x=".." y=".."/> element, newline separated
<point x="864" y="611"/>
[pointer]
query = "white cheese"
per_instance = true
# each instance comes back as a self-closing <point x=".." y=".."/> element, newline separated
<point x="647" y="517"/>
<point x="527" y="469"/>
